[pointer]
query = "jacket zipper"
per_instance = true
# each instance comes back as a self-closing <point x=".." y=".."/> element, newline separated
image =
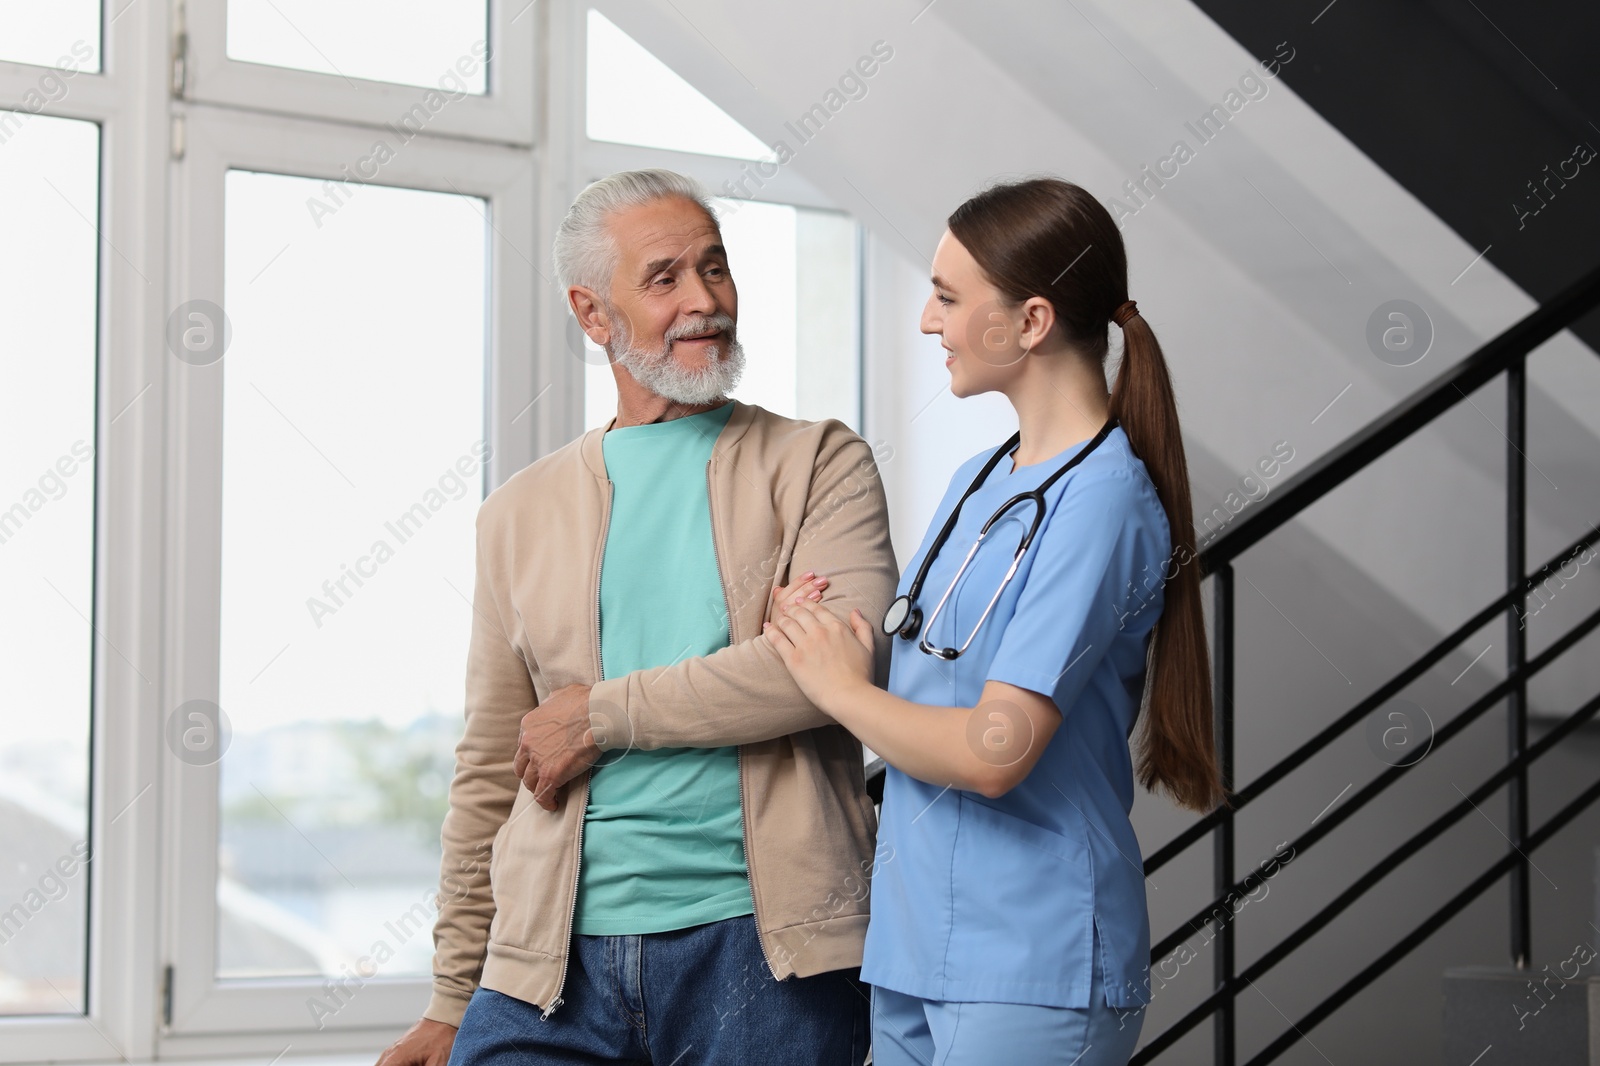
<point x="577" y="864"/>
<point x="744" y="822"/>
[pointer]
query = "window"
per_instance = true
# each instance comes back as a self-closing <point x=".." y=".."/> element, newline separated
<point x="796" y="272"/>
<point x="50" y="185"/>
<point x="336" y="433"/>
<point x="347" y="555"/>
<point x="622" y="75"/>
<point x="263" y="359"/>
<point x="405" y="41"/>
<point x="795" y="262"/>
<point x="236" y="713"/>
<point x="62" y="33"/>
<point x="454" y="67"/>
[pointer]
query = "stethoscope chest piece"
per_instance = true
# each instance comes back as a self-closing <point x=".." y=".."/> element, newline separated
<point x="902" y="619"/>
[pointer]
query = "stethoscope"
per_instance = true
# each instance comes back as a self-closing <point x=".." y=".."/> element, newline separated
<point x="904" y="618"/>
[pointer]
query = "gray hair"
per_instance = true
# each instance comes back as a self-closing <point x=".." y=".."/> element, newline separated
<point x="585" y="253"/>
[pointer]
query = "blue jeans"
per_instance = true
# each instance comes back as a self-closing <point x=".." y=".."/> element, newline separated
<point x="701" y="996"/>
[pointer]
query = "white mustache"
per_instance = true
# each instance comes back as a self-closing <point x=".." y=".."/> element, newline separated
<point x="704" y="327"/>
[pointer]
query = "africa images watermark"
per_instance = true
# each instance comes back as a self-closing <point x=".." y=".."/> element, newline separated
<point x="51" y="88"/>
<point x="1211" y="123"/>
<point x="758" y="579"/>
<point x="1545" y="591"/>
<point x="1251" y="489"/>
<point x="1536" y="202"/>
<point x="856" y="889"/>
<point x="1582" y="948"/>
<point x="851" y="86"/>
<point x="402" y="528"/>
<point x="1220" y="915"/>
<point x="410" y="123"/>
<point x="50" y="486"/>
<point x="338" y="992"/>
<point x="51" y="887"/>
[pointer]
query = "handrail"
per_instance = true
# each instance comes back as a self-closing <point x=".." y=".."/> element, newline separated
<point x="1422" y="837"/>
<point x="1395" y="685"/>
<point x="1426" y="928"/>
<point x="1506" y="353"/>
<point x="874" y="771"/>
<point x="1444" y="735"/>
<point x="1449" y="388"/>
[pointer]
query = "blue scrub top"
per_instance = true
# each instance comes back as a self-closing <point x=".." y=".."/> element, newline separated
<point x="998" y="900"/>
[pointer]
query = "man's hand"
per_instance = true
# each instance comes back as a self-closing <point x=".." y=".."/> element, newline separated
<point x="427" y="1043"/>
<point x="555" y="744"/>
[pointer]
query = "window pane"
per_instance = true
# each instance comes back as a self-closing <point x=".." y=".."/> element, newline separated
<point x="434" y="43"/>
<point x="796" y="271"/>
<point x="49" y="185"/>
<point x="61" y="33"/>
<point x="634" y="98"/>
<point x="353" y="458"/>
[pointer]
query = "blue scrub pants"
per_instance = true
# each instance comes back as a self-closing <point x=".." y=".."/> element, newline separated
<point x="911" y="1031"/>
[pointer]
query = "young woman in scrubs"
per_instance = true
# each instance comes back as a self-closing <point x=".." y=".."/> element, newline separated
<point x="1008" y="900"/>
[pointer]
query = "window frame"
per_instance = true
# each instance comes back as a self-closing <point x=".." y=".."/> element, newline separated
<point x="218" y="140"/>
<point x="594" y="159"/>
<point x="504" y="112"/>
<point x="123" y="814"/>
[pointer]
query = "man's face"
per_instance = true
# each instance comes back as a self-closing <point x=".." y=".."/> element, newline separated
<point x="672" y="308"/>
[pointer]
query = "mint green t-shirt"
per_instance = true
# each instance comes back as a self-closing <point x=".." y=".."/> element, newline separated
<point x="663" y="840"/>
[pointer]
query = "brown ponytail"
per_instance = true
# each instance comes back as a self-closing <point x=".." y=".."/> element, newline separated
<point x="1047" y="237"/>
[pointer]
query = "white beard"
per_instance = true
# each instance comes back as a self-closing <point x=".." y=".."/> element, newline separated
<point x="663" y="375"/>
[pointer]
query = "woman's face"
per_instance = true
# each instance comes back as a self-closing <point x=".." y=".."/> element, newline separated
<point x="977" y="329"/>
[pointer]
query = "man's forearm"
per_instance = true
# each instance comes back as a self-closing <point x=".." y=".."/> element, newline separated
<point x="741" y="694"/>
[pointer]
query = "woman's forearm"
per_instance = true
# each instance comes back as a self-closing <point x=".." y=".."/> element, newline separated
<point x="927" y="742"/>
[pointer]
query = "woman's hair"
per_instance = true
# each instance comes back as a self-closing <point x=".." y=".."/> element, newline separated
<point x="1049" y="238"/>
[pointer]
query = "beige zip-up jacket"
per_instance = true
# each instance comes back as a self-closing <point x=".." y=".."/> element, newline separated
<point x="786" y="496"/>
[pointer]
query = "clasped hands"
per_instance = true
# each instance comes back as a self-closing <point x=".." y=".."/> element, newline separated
<point x="557" y="739"/>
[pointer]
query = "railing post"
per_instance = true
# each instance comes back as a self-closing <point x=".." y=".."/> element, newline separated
<point x="1222" y="962"/>
<point x="1517" y="650"/>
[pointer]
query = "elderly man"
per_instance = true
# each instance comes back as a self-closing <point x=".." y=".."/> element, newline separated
<point x="666" y="859"/>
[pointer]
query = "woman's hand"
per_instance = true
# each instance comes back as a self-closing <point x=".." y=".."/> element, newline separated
<point x="807" y="586"/>
<point x="827" y="658"/>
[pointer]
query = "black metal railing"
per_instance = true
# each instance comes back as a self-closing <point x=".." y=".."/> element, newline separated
<point x="1506" y="353"/>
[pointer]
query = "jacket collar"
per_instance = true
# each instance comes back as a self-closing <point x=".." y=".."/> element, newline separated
<point x="738" y="423"/>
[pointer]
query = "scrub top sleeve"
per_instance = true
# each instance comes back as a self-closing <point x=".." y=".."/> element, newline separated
<point x="1082" y="589"/>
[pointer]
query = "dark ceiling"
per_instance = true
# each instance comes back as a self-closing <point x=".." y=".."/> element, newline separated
<point x="1488" y="111"/>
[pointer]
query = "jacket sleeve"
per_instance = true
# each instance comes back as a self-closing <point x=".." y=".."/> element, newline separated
<point x="743" y="694"/>
<point x="499" y="692"/>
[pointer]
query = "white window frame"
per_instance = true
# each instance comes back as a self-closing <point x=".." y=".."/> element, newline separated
<point x="592" y="159"/>
<point x="126" y="100"/>
<point x="505" y="112"/>
<point x="151" y="886"/>
<point x="218" y="140"/>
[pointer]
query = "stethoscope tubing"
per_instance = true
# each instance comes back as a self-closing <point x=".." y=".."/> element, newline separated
<point x="910" y="625"/>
